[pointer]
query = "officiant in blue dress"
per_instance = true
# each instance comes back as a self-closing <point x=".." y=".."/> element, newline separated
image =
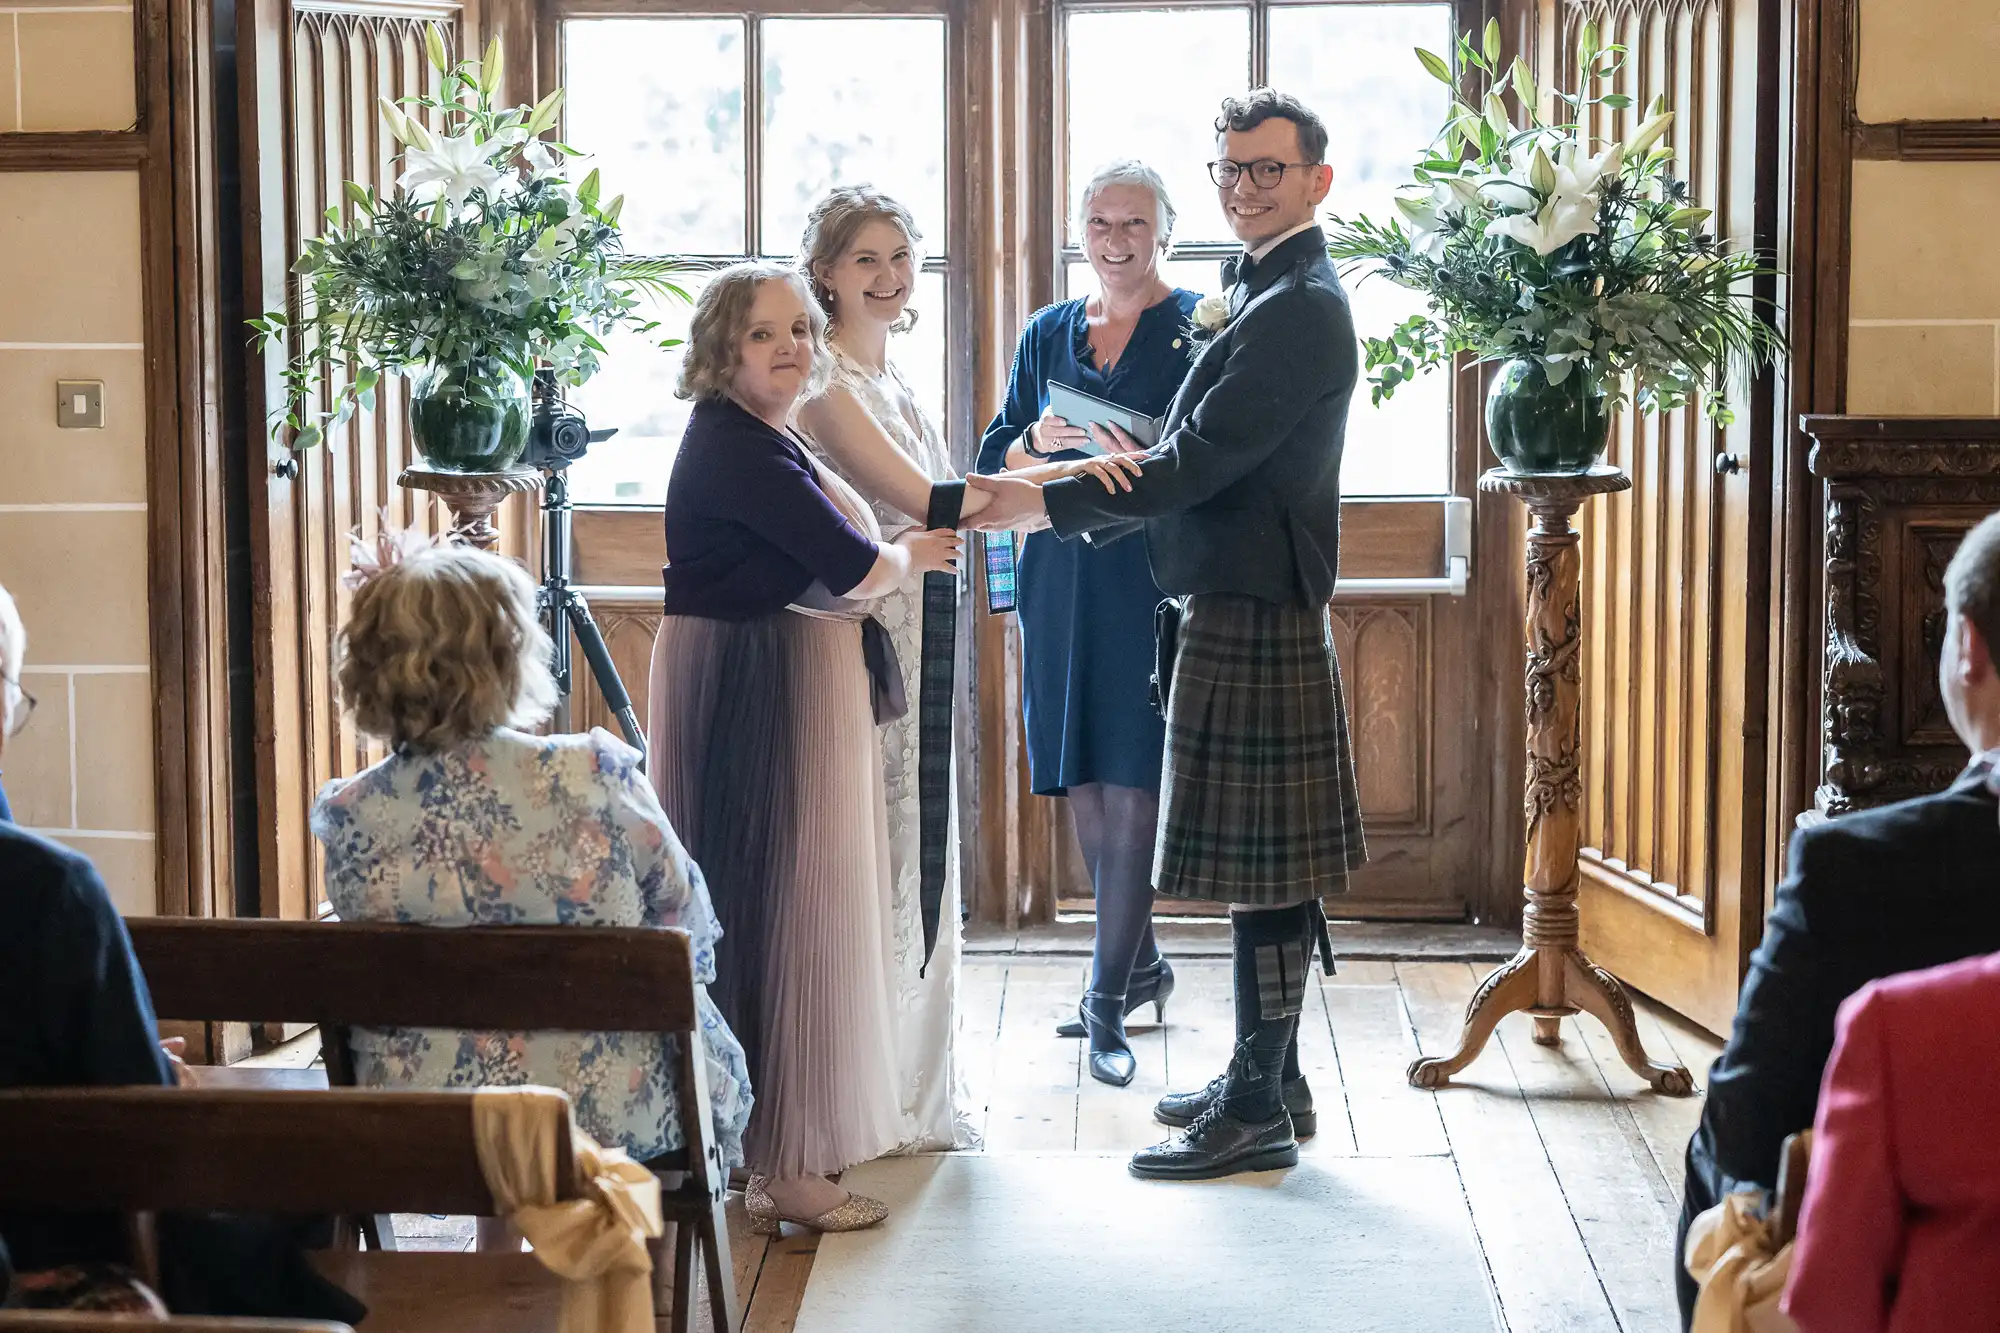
<point x="1086" y="612"/>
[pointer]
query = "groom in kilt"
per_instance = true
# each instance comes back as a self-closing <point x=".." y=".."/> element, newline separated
<point x="1240" y="506"/>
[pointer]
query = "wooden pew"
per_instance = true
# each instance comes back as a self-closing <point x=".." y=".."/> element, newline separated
<point x="52" y="1321"/>
<point x="343" y="975"/>
<point x="147" y="1150"/>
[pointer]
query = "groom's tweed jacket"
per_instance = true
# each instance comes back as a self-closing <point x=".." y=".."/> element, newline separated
<point x="1243" y="492"/>
<point x="1241" y="508"/>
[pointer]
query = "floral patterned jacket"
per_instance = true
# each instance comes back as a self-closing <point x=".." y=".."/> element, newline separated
<point x="514" y="829"/>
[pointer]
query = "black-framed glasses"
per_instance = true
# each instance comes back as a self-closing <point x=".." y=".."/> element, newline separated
<point x="1265" y="172"/>
<point x="11" y="724"/>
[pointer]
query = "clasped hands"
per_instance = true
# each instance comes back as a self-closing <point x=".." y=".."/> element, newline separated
<point x="1011" y="501"/>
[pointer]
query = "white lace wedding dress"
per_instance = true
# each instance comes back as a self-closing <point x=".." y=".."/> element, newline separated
<point x="936" y="1114"/>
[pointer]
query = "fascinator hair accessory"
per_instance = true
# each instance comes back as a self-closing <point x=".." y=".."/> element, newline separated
<point x="391" y="547"/>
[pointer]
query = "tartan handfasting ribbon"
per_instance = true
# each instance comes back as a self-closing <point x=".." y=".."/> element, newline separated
<point x="935" y="672"/>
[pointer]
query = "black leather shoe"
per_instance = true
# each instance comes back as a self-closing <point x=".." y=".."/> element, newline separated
<point x="1180" y="1109"/>
<point x="1111" y="1059"/>
<point x="1149" y="985"/>
<point x="1218" y="1144"/>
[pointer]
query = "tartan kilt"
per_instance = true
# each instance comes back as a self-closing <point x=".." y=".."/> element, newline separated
<point x="1258" y="800"/>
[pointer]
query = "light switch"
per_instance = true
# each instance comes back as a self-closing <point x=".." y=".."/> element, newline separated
<point x="80" y="404"/>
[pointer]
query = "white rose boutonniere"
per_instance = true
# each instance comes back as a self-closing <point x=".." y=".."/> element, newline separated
<point x="1211" y="313"/>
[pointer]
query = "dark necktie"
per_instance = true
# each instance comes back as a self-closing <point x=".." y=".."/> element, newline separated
<point x="1236" y="269"/>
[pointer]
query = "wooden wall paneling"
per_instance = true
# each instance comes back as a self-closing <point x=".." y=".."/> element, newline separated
<point x="75" y="150"/>
<point x="1387" y="645"/>
<point x="629" y="622"/>
<point x="283" y="788"/>
<point x="1008" y="48"/>
<point x="1926" y="141"/>
<point x="191" y="674"/>
<point x="177" y="892"/>
<point x="1676" y="581"/>
<point x="617" y="546"/>
<point x="1769" y="402"/>
<point x="1820" y="197"/>
<point x="310" y="77"/>
<point x="1416" y="784"/>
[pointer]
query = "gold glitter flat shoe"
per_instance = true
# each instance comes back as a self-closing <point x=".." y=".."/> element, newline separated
<point x="858" y="1213"/>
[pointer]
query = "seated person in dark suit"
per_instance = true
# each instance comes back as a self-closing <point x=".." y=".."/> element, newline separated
<point x="1866" y="895"/>
<point x="74" y="1012"/>
<point x="73" y="1007"/>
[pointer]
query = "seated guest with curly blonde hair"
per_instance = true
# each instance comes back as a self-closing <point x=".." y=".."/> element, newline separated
<point x="471" y="822"/>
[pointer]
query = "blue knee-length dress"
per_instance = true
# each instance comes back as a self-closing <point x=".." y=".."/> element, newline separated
<point x="1087" y="612"/>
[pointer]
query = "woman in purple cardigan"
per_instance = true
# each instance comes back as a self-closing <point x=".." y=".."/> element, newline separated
<point x="768" y="678"/>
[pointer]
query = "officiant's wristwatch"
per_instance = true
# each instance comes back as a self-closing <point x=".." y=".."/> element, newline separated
<point x="1028" y="442"/>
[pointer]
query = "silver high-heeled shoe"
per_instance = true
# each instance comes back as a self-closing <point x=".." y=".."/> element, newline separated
<point x="858" y="1213"/>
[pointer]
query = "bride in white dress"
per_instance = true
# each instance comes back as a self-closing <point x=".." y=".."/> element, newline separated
<point x="859" y="254"/>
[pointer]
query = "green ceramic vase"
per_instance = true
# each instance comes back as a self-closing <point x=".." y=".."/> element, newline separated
<point x="469" y="417"/>
<point x="1544" y="429"/>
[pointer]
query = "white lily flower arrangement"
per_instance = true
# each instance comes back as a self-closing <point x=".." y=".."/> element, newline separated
<point x="486" y="255"/>
<point x="1534" y="241"/>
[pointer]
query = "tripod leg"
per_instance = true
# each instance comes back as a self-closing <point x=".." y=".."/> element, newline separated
<point x="604" y="670"/>
<point x="555" y="616"/>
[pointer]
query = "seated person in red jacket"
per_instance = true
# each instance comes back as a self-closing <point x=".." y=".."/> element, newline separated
<point x="1901" y="1228"/>
<point x="1866" y="895"/>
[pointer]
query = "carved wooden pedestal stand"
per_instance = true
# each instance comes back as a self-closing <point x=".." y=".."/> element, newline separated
<point x="1551" y="978"/>
<point x="471" y="496"/>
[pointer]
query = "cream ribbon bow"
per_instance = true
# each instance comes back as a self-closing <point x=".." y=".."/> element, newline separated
<point x="595" y="1242"/>
<point x="1729" y="1255"/>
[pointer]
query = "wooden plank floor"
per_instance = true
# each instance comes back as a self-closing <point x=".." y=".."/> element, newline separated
<point x="1570" y="1165"/>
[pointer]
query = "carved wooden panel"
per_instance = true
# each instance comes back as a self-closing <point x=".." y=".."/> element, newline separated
<point x="1386" y="649"/>
<point x="1653" y="672"/>
<point x="1900" y="495"/>
<point x="628" y="626"/>
<point x="341" y="62"/>
<point x="1927" y="549"/>
<point x="1383" y="650"/>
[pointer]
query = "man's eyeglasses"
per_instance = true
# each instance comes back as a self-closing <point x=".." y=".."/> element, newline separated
<point x="1265" y="173"/>
<point x="13" y="717"/>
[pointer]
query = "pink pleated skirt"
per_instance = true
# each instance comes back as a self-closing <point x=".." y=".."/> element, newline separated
<point x="765" y="757"/>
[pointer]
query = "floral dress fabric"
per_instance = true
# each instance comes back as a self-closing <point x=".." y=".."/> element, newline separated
<point x="935" y="1097"/>
<point x="514" y="829"/>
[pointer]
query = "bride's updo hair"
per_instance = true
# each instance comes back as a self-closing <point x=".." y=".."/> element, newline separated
<point x="833" y="224"/>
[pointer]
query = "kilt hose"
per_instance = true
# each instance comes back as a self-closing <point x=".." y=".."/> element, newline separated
<point x="1258" y="803"/>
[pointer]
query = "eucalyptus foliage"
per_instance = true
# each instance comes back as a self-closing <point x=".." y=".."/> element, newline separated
<point x="485" y="255"/>
<point x="1529" y="245"/>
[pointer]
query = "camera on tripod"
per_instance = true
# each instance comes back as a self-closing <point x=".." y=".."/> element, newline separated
<point x="557" y="436"/>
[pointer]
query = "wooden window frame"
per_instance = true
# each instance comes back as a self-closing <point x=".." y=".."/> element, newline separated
<point x="959" y="388"/>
